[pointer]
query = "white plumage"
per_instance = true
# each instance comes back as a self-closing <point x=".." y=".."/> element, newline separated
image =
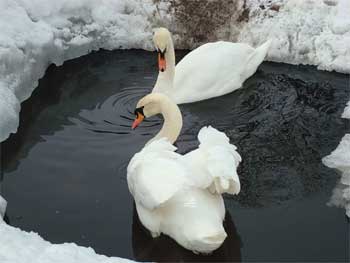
<point x="180" y="195"/>
<point x="209" y="71"/>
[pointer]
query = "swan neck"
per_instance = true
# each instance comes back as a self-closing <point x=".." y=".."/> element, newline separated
<point x="172" y="122"/>
<point x="171" y="58"/>
<point x="165" y="79"/>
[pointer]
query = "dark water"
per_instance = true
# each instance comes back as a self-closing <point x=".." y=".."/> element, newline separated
<point x="64" y="172"/>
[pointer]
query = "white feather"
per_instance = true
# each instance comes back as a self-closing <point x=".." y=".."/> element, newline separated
<point x="209" y="71"/>
<point x="155" y="174"/>
<point x="180" y="195"/>
<point x="216" y="162"/>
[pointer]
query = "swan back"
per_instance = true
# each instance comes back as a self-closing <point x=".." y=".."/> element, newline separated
<point x="168" y="202"/>
<point x="215" y="69"/>
<point x="155" y="174"/>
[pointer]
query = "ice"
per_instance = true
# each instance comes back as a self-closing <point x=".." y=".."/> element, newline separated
<point x="20" y="246"/>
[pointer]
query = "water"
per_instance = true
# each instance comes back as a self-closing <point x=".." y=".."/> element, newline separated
<point x="64" y="172"/>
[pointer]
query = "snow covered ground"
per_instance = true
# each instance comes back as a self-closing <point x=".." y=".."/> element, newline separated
<point x="311" y="32"/>
<point x="19" y="246"/>
<point x="340" y="160"/>
<point x="36" y="33"/>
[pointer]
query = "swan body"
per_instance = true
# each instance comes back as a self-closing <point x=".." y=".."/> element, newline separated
<point x="180" y="195"/>
<point x="211" y="70"/>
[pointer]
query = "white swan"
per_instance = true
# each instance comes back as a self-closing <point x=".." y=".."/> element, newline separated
<point x="211" y="70"/>
<point x="180" y="195"/>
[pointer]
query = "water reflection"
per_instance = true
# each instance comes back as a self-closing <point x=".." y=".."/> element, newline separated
<point x="7" y="219"/>
<point x="165" y="249"/>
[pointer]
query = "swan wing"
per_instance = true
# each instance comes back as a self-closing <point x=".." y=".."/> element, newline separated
<point x="212" y="70"/>
<point x="215" y="69"/>
<point x="214" y="163"/>
<point x="155" y="174"/>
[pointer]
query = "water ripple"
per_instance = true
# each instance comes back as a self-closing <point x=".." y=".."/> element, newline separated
<point x="115" y="114"/>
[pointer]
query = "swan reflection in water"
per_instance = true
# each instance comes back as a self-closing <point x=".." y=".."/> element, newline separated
<point x="164" y="248"/>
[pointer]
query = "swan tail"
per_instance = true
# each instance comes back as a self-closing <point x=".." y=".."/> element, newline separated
<point x="255" y="59"/>
<point x="222" y="161"/>
<point x="206" y="244"/>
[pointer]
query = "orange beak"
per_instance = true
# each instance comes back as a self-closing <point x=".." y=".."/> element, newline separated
<point x="138" y="120"/>
<point x="161" y="62"/>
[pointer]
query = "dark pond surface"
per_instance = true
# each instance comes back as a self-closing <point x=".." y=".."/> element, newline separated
<point x="64" y="172"/>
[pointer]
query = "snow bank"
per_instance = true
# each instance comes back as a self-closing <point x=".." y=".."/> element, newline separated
<point x="20" y="246"/>
<point x="340" y="157"/>
<point x="36" y="33"/>
<point x="340" y="160"/>
<point x="313" y="32"/>
<point x="346" y="113"/>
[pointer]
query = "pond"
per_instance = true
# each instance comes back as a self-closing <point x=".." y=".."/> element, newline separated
<point x="64" y="172"/>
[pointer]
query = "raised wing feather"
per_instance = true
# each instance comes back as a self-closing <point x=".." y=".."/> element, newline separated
<point x="156" y="173"/>
<point x="220" y="160"/>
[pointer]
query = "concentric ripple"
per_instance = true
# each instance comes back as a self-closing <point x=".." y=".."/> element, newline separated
<point x="113" y="115"/>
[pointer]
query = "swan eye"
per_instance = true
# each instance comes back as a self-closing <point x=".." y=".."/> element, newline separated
<point x="139" y="111"/>
<point x="161" y="53"/>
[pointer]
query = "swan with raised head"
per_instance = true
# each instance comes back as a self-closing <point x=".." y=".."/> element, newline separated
<point x="180" y="195"/>
<point x="209" y="71"/>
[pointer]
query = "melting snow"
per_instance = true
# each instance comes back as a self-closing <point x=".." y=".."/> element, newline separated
<point x="19" y="246"/>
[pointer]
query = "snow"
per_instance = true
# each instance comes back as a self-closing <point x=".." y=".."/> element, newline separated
<point x="340" y="160"/>
<point x="341" y="22"/>
<point x="36" y="33"/>
<point x="19" y="246"/>
<point x="303" y="32"/>
<point x="340" y="157"/>
<point x="346" y="113"/>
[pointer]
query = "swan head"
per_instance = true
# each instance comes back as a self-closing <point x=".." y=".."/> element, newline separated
<point x="156" y="103"/>
<point x="149" y="106"/>
<point x="161" y="40"/>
